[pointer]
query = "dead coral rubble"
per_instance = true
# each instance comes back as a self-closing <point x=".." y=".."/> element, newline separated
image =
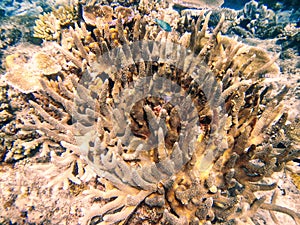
<point x="180" y="119"/>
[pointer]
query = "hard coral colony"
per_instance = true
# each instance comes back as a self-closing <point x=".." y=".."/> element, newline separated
<point x="180" y="120"/>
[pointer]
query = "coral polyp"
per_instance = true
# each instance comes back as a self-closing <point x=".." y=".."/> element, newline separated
<point x="179" y="119"/>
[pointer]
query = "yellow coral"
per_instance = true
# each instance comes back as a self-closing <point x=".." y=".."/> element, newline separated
<point x="296" y="179"/>
<point x="49" y="25"/>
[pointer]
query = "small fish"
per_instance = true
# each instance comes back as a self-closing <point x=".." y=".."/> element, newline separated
<point x="164" y="25"/>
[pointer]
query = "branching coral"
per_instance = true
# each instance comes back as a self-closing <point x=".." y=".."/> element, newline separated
<point x="185" y="116"/>
<point x="49" y="25"/>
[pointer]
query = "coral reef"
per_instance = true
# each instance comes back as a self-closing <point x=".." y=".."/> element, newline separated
<point x="49" y="25"/>
<point x="13" y="31"/>
<point x="259" y="21"/>
<point x="13" y="105"/>
<point x="255" y="20"/>
<point x="130" y="117"/>
<point x="32" y="204"/>
<point x="17" y="19"/>
<point x="40" y="64"/>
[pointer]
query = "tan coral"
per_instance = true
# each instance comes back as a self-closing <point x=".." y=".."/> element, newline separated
<point x="193" y="179"/>
<point x="23" y="80"/>
<point x="24" y="74"/>
<point x="126" y="14"/>
<point x="66" y="15"/>
<point x="185" y="116"/>
<point x="47" y="27"/>
<point x="19" y="76"/>
<point x="45" y="64"/>
<point x="90" y="13"/>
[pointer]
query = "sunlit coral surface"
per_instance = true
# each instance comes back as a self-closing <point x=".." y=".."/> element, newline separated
<point x="136" y="114"/>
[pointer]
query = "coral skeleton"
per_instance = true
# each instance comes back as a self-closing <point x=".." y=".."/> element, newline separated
<point x="182" y="120"/>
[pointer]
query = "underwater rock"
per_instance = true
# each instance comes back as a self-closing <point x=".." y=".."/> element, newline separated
<point x="181" y="120"/>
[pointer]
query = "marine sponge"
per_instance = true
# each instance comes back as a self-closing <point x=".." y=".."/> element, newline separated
<point x="182" y="120"/>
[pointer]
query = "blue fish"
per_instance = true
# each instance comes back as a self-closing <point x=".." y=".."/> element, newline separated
<point x="164" y="25"/>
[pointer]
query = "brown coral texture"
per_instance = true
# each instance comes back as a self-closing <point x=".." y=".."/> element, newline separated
<point x="180" y="120"/>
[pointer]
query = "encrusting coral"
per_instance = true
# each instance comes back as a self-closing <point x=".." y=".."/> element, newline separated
<point x="182" y="119"/>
